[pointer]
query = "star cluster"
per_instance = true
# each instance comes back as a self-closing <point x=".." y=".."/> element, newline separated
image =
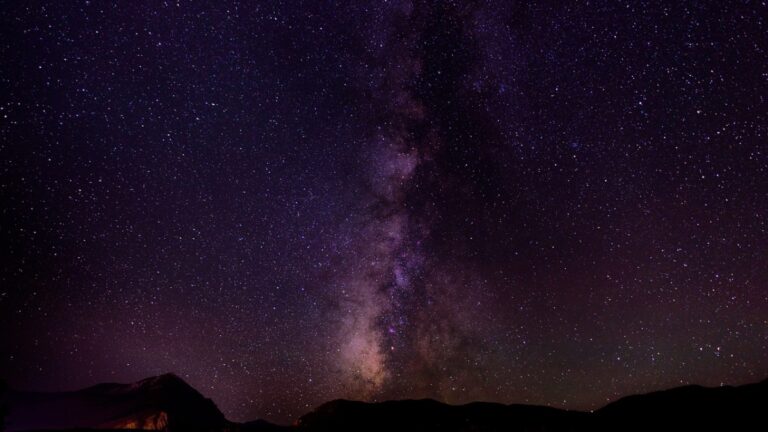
<point x="291" y="202"/>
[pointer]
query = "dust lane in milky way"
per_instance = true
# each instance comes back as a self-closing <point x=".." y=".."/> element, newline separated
<point x="401" y="316"/>
<point x="291" y="202"/>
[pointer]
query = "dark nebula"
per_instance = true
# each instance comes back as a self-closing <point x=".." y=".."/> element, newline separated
<point x="285" y="203"/>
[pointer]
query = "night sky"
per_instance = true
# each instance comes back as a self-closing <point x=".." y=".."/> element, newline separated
<point x="284" y="203"/>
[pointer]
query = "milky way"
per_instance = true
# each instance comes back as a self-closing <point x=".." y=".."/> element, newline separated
<point x="405" y="329"/>
<point x="291" y="202"/>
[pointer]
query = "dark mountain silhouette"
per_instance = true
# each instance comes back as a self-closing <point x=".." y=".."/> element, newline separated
<point x="691" y="408"/>
<point x="742" y="408"/>
<point x="430" y="415"/>
<point x="168" y="403"/>
<point x="3" y="407"/>
<point x="162" y="402"/>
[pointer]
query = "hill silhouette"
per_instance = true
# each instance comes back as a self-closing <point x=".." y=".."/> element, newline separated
<point x="165" y="402"/>
<point x="168" y="403"/>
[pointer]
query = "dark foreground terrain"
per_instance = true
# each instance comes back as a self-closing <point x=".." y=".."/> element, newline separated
<point x="168" y="403"/>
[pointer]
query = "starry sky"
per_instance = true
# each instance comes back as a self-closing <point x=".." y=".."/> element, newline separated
<point x="287" y="202"/>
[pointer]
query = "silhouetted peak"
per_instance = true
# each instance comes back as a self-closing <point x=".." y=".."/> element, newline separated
<point x="163" y="402"/>
<point x="165" y="381"/>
